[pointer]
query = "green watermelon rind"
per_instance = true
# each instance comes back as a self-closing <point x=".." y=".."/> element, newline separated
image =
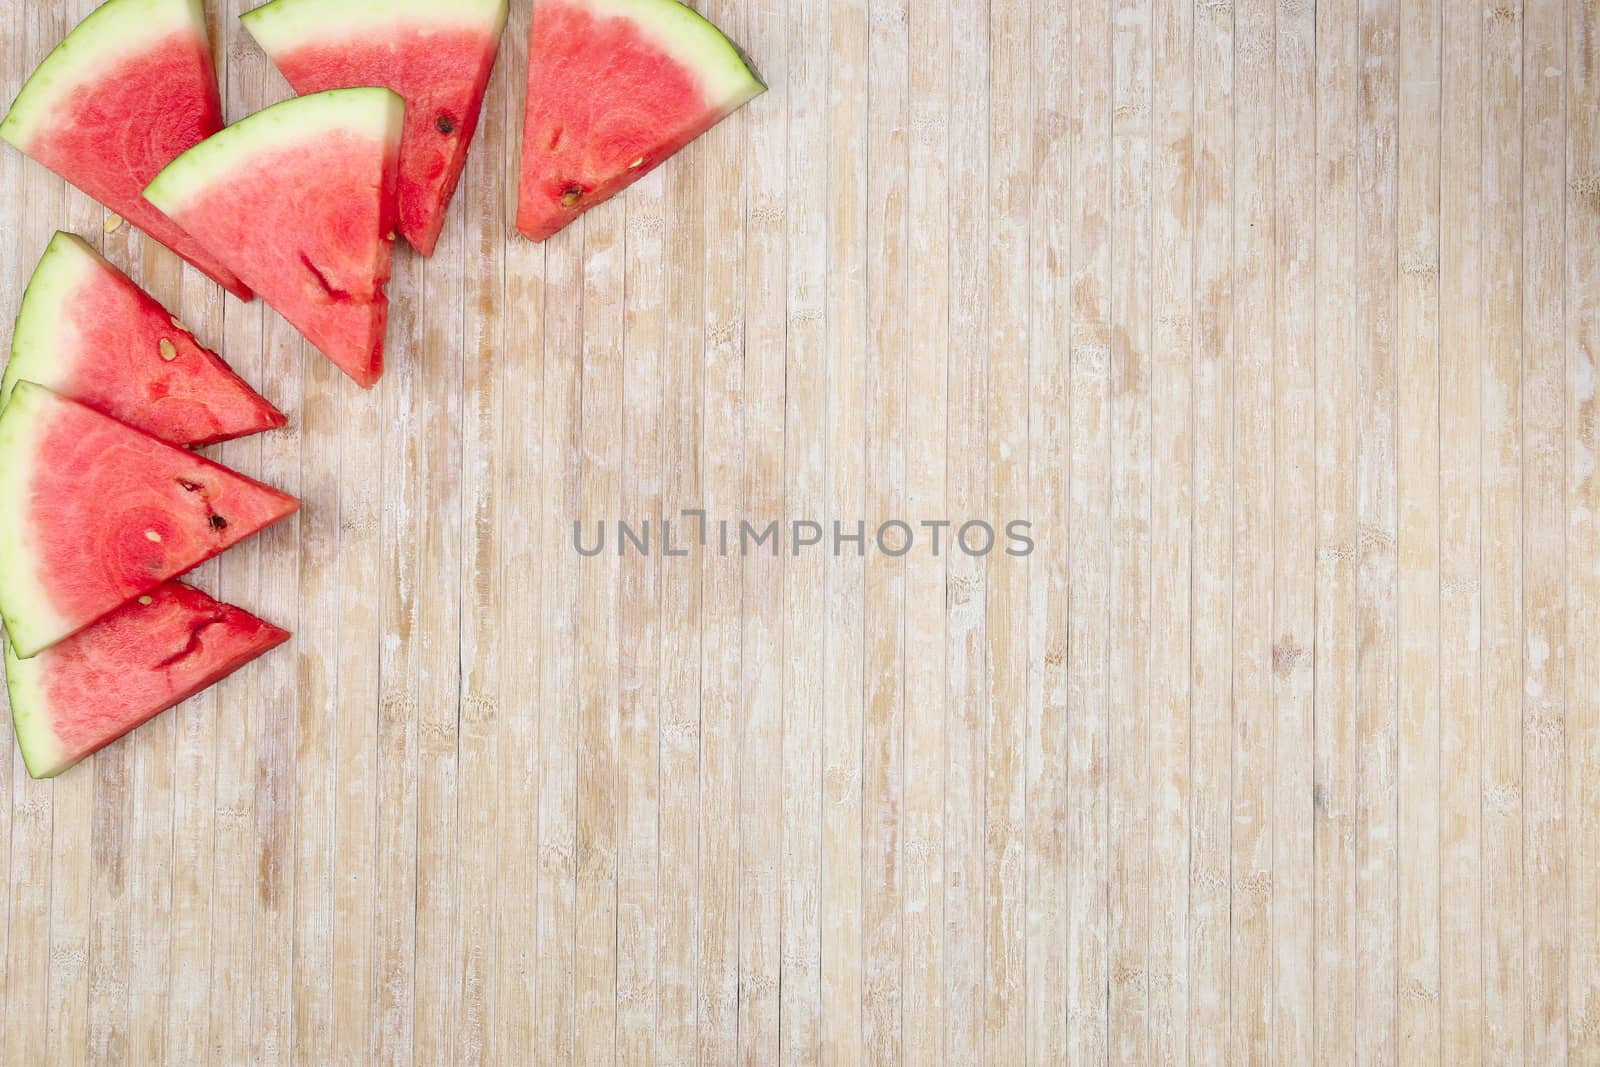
<point x="298" y="120"/>
<point x="30" y="620"/>
<point x="67" y="263"/>
<point x="693" y="42"/>
<point x="30" y="717"/>
<point x="115" y="29"/>
<point x="285" y="24"/>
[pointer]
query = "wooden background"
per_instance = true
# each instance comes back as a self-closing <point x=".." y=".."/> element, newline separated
<point x="1280" y="321"/>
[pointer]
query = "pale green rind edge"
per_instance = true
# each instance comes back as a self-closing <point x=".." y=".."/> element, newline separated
<point x="36" y="737"/>
<point x="36" y="351"/>
<point x="694" y="42"/>
<point x="114" y="29"/>
<point x="297" y="120"/>
<point x="30" y="620"/>
<point x="285" y="24"/>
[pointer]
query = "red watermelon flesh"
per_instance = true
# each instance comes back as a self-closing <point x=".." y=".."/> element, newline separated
<point x="94" y="513"/>
<point x="130" y="89"/>
<point x="299" y="200"/>
<point x="87" y="332"/>
<point x="437" y="54"/>
<point x="151" y="654"/>
<point x="615" y="87"/>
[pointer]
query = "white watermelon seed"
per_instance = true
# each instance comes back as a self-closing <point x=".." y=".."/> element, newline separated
<point x="176" y="325"/>
<point x="151" y="535"/>
<point x="113" y="223"/>
<point x="147" y="600"/>
<point x="169" y="351"/>
<point x="636" y="164"/>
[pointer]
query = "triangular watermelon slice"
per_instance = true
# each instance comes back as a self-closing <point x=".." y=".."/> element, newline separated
<point x="94" y="513"/>
<point x="151" y="654"/>
<point x="436" y="53"/>
<point x="127" y="91"/>
<point x="615" y="87"/>
<point x="299" y="201"/>
<point x="87" y="332"/>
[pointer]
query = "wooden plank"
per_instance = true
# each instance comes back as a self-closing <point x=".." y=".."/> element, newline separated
<point x="1252" y="798"/>
<point x="1210" y="1020"/>
<point x="966" y="458"/>
<point x="559" y="697"/>
<point x="886" y="460"/>
<point x="1008" y="455"/>
<point x="1049" y="442"/>
<point x="640" y="622"/>
<point x="1544" y="543"/>
<point x="760" y="892"/>
<point x="684" y="264"/>
<point x="598" y="692"/>
<point x="1294" y="536"/>
<point x="805" y="441"/>
<point x="722" y="349"/>
<point x="1461" y="932"/>
<point x="520" y="493"/>
<point x="1582" y="288"/>
<point x="1334" y="777"/>
<point x="483" y="193"/>
<point x="440" y="369"/>
<point x="1172" y="446"/>
<point x="927" y="384"/>
<point x="1129" y="648"/>
<point x="844" y="499"/>
<point x="1377" y="255"/>
<point x="1418" y="549"/>
<point x="1088" y="712"/>
<point x="1500" y="436"/>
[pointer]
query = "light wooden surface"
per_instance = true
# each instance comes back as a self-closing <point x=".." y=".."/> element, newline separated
<point x="1280" y="322"/>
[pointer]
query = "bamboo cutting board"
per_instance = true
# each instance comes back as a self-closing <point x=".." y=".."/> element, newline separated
<point x="1278" y="322"/>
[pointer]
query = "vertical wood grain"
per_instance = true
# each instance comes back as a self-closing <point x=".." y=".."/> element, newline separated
<point x="1254" y="306"/>
<point x="1461" y="352"/>
<point x="1048" y="930"/>
<point x="1274" y="318"/>
<point x="1544" y="540"/>
<point x="519" y="495"/>
<point x="760" y="892"/>
<point x="1210" y="866"/>
<point x="927" y="411"/>
<point x="1172" y="446"/>
<point x="1294" y="527"/>
<point x="1500" y="436"/>
<point x="844" y="499"/>
<point x="884" y="596"/>
<point x="1582" y="289"/>
<point x="1129" y="648"/>
<point x="1334" y="779"/>
<point x="1418" y="548"/>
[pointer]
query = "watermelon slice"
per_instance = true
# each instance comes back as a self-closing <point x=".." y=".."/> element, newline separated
<point x="149" y="655"/>
<point x="614" y="88"/>
<point x="89" y="333"/>
<point x="127" y="91"/>
<point x="435" y="53"/>
<point x="299" y="200"/>
<point x="94" y="513"/>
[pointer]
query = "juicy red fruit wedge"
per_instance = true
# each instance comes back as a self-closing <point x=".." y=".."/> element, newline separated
<point x="125" y="93"/>
<point x="88" y="333"/>
<point x="149" y="655"/>
<point x="437" y="54"/>
<point x="616" y="87"/>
